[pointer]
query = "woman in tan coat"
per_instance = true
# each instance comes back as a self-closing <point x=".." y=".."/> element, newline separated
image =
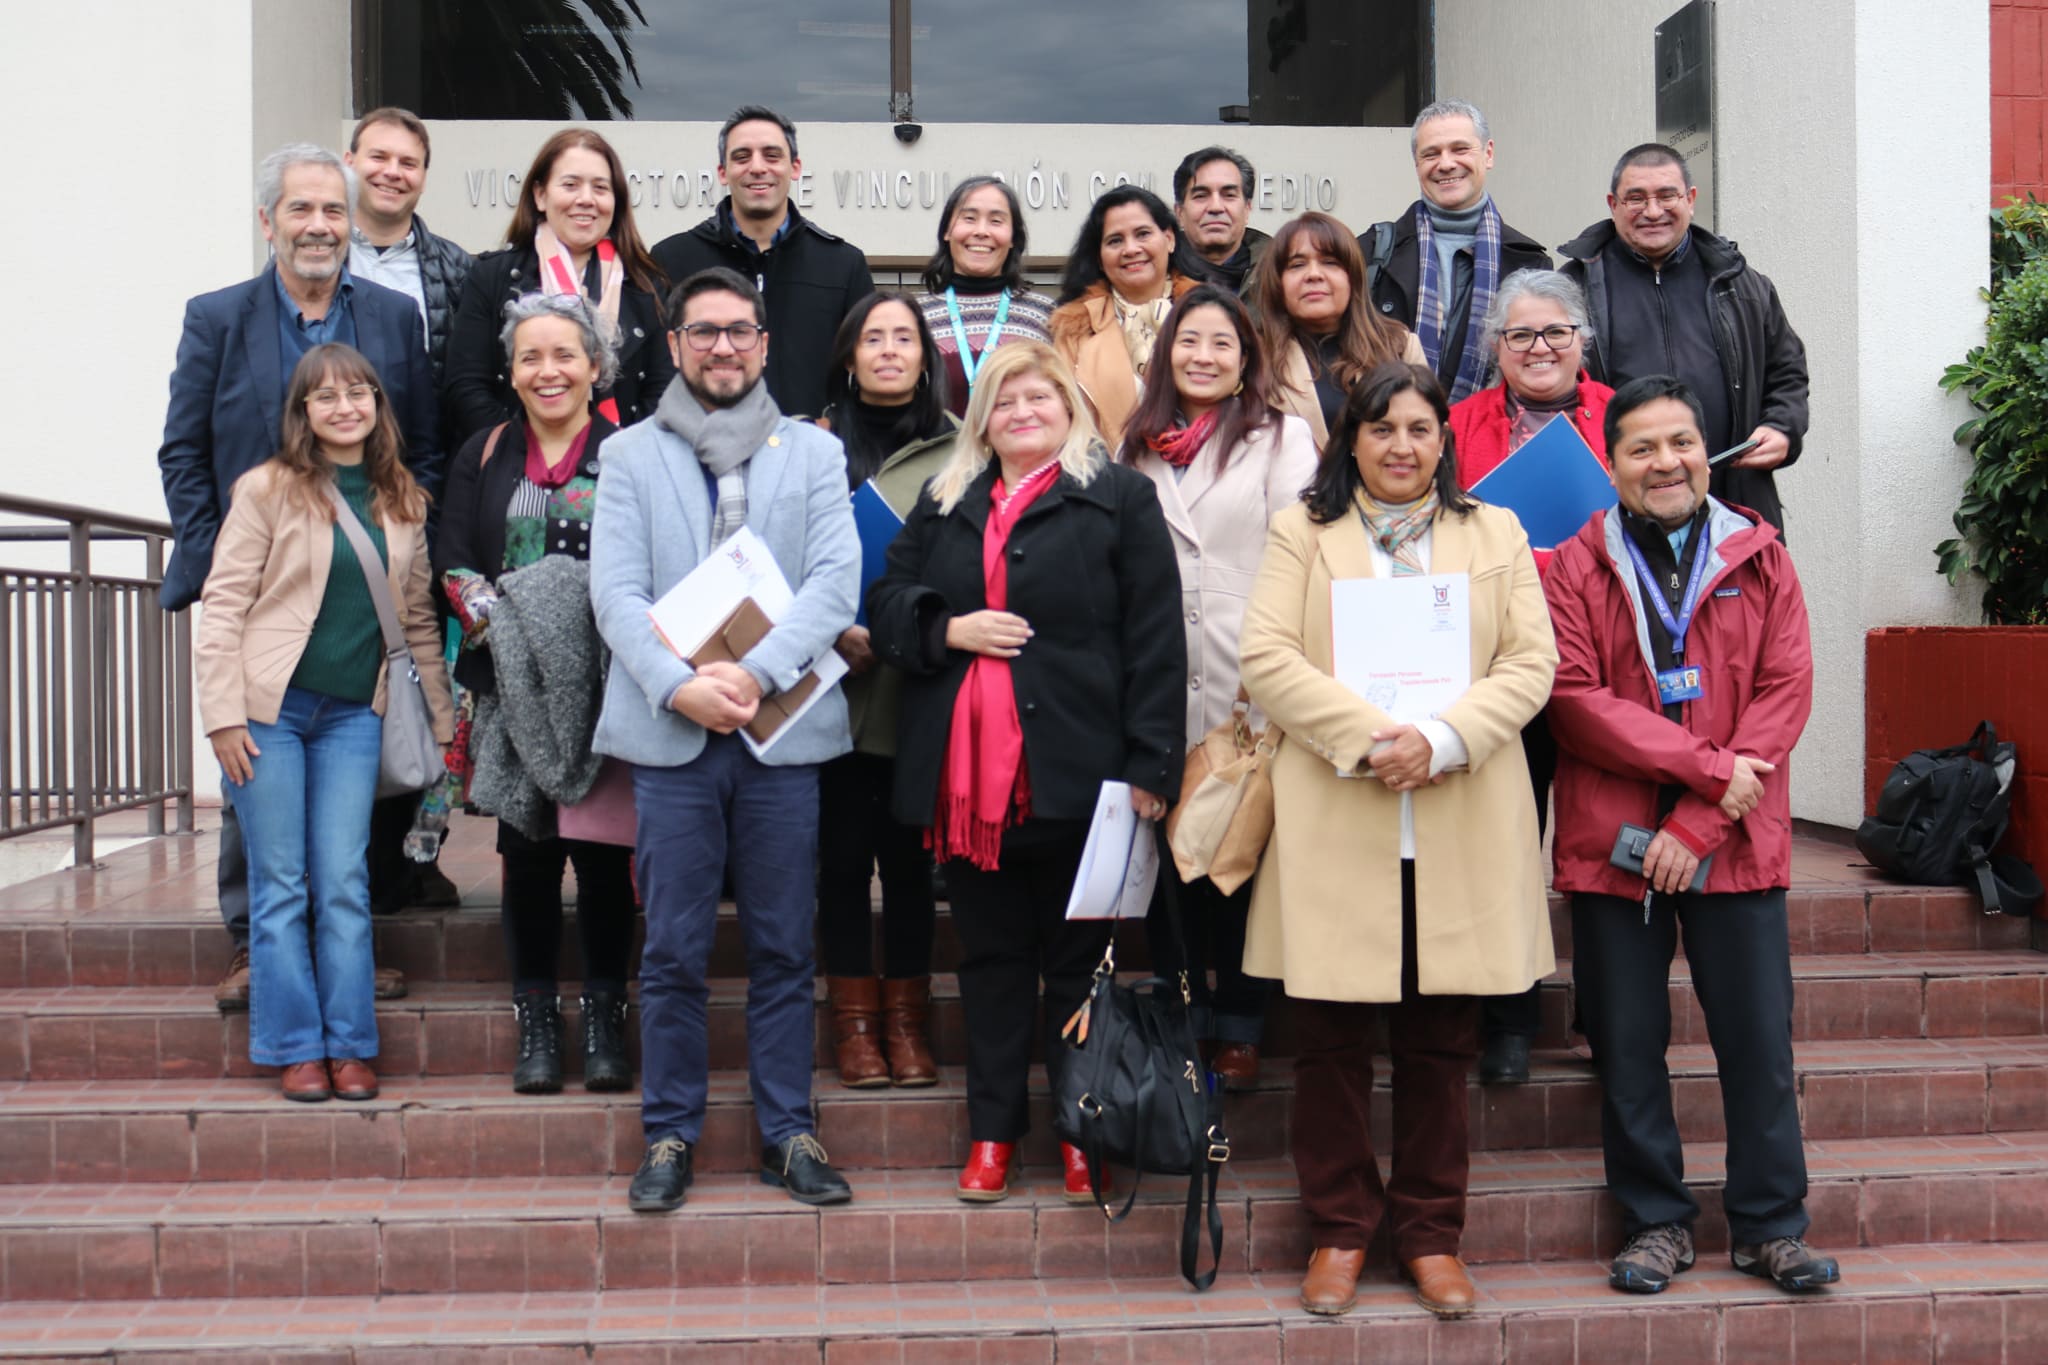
<point x="1403" y="876"/>
<point x="291" y="690"/>
<point x="1115" y="294"/>
<point x="1322" y="333"/>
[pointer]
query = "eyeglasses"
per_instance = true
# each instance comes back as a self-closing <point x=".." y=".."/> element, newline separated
<point x="327" y="400"/>
<point x="1635" y="201"/>
<point x="702" y="336"/>
<point x="1557" y="336"/>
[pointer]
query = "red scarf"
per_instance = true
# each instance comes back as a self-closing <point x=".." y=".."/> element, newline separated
<point x="538" y="471"/>
<point x="1178" y="446"/>
<point x="983" y="788"/>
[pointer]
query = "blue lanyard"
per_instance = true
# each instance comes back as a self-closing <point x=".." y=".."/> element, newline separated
<point x="969" y="362"/>
<point x="1676" y="626"/>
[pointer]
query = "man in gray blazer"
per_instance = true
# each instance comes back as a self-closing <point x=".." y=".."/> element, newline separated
<point x="716" y="456"/>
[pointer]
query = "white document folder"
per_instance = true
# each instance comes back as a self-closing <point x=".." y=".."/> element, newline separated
<point x="1119" y="864"/>
<point x="1404" y="644"/>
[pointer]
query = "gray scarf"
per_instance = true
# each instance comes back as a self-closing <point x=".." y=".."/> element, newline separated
<point x="724" y="439"/>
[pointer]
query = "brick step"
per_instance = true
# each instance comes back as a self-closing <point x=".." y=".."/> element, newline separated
<point x="282" y="1238"/>
<point x="238" y="1129"/>
<point x="1917" y="1303"/>
<point x="160" y="944"/>
<point x="466" y="1028"/>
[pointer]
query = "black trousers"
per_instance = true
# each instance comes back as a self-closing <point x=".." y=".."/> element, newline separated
<point x="1013" y="931"/>
<point x="1212" y="926"/>
<point x="531" y="909"/>
<point x="1522" y="1014"/>
<point x="856" y="834"/>
<point x="1735" y="945"/>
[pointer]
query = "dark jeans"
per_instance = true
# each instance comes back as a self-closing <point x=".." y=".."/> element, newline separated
<point x="1522" y="1013"/>
<point x="231" y="876"/>
<point x="1212" y="926"/>
<point x="532" y="909"/>
<point x="1432" y="1040"/>
<point x="1013" y="930"/>
<point x="856" y="834"/>
<point x="1742" y="972"/>
<point x="689" y="818"/>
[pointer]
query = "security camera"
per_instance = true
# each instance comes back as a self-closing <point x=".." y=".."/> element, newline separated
<point x="907" y="133"/>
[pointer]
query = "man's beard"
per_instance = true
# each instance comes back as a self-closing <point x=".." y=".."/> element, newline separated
<point x="719" y="400"/>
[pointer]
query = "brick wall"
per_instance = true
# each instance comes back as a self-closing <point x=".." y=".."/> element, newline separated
<point x="2019" y="98"/>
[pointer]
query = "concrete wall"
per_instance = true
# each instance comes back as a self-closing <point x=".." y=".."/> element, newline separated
<point x="1850" y="140"/>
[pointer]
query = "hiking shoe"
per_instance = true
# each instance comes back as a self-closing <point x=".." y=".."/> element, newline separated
<point x="232" y="994"/>
<point x="539" y="1068"/>
<point x="1790" y="1262"/>
<point x="1651" y="1257"/>
<point x="605" y="1065"/>
<point x="663" y="1176"/>
<point x="800" y="1166"/>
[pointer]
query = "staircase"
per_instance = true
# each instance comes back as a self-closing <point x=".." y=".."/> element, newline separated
<point x="160" y="1203"/>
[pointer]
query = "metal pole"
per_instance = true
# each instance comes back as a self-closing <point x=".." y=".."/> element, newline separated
<point x="152" y="703"/>
<point x="80" y="663"/>
<point x="899" y="61"/>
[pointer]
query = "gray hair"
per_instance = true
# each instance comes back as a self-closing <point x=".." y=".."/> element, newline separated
<point x="1561" y="289"/>
<point x="598" y="342"/>
<point x="1437" y="109"/>
<point x="270" y="175"/>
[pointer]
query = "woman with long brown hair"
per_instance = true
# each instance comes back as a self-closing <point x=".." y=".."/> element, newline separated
<point x="571" y="233"/>
<point x="291" y="690"/>
<point x="1321" y="332"/>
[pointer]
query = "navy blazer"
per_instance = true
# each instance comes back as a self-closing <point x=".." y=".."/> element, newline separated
<point x="227" y="405"/>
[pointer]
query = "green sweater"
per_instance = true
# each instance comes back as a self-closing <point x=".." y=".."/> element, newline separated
<point x="346" y="647"/>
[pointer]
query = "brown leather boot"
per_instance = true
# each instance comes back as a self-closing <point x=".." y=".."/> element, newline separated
<point x="856" y="1031"/>
<point x="906" y="1030"/>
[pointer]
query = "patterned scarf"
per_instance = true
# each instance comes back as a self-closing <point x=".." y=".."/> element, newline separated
<point x="1178" y="446"/>
<point x="1397" y="531"/>
<point x="558" y="276"/>
<point x="984" y="787"/>
<point x="723" y="439"/>
<point x="1140" y="323"/>
<point x="1434" y="294"/>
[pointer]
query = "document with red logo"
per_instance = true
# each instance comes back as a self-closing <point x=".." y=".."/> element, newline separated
<point x="1404" y="644"/>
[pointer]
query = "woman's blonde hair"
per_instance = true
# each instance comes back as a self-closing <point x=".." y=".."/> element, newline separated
<point x="1082" y="455"/>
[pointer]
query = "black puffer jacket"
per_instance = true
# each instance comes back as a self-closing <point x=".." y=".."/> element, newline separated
<point x="443" y="268"/>
<point x="1762" y="358"/>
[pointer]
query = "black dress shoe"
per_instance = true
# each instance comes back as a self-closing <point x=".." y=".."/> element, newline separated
<point x="1505" y="1061"/>
<point x="663" y="1176"/>
<point x="800" y="1166"/>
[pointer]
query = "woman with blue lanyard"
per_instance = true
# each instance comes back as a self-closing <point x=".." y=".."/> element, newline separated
<point x="976" y="296"/>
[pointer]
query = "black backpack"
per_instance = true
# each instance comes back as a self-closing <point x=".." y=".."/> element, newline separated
<point x="1940" y="814"/>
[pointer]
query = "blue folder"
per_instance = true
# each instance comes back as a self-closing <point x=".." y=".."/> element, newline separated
<point x="1552" y="484"/>
<point x="877" y="524"/>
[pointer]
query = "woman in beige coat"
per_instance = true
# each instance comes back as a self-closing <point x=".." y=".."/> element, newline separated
<point x="1224" y="461"/>
<point x="1403" y="877"/>
<point x="291" y="690"/>
<point x="1316" y="318"/>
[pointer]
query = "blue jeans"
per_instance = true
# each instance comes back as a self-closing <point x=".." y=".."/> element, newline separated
<point x="688" y="818"/>
<point x="305" y="816"/>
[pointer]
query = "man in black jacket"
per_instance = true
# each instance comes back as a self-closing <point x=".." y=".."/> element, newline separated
<point x="389" y="242"/>
<point x="1435" y="268"/>
<point x="810" y="278"/>
<point x="1668" y="297"/>
<point x="1212" y="201"/>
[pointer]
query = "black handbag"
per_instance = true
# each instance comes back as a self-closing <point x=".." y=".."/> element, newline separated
<point x="1133" y="1090"/>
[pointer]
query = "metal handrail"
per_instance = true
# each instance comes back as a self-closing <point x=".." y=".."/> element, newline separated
<point x="95" y="681"/>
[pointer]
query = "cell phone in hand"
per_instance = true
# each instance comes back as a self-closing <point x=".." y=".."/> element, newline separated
<point x="1634" y="841"/>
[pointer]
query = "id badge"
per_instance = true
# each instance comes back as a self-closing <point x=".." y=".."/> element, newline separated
<point x="1678" y="684"/>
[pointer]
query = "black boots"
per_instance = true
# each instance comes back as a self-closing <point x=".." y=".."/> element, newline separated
<point x="605" y="1066"/>
<point x="539" y="1070"/>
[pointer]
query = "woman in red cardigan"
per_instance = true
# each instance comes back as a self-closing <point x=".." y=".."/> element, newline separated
<point x="1537" y="330"/>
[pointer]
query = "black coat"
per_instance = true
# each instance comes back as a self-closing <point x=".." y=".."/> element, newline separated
<point x="1762" y="359"/>
<point x="810" y="280"/>
<point x="478" y="387"/>
<point x="1398" y="286"/>
<point x="1099" y="684"/>
<point x="443" y="268"/>
<point x="472" y="534"/>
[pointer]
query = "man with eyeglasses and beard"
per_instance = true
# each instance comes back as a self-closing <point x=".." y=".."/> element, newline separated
<point x="717" y="456"/>
<point x="1669" y="297"/>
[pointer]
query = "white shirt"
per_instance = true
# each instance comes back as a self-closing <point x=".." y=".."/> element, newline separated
<point x="395" y="267"/>
<point x="1446" y="748"/>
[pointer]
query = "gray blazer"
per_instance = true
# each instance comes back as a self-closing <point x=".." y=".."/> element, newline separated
<point x="652" y="525"/>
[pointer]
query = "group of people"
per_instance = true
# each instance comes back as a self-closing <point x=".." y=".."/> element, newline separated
<point x="1123" y="510"/>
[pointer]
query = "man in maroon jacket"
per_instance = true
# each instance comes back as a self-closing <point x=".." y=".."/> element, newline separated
<point x="1684" y="678"/>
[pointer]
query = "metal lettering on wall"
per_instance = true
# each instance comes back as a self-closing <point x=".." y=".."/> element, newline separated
<point x="1685" y="96"/>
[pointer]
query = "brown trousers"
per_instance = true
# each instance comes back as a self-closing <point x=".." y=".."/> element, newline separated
<point x="1433" y="1040"/>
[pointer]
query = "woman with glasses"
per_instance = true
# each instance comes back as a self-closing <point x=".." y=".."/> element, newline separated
<point x="519" y="493"/>
<point x="1537" y="331"/>
<point x="572" y="233"/>
<point x="975" y="296"/>
<point x="291" y="671"/>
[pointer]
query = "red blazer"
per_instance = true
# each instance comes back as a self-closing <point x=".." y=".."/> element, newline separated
<point x="1615" y="748"/>
<point x="1479" y="434"/>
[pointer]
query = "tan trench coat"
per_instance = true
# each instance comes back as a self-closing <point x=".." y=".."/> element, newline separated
<point x="1086" y="334"/>
<point x="1326" y="908"/>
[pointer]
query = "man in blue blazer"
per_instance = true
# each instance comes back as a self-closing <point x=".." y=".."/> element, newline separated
<point x="718" y="456"/>
<point x="227" y="397"/>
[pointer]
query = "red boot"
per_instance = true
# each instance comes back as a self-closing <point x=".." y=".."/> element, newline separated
<point x="986" y="1178"/>
<point x="1076" y="1163"/>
